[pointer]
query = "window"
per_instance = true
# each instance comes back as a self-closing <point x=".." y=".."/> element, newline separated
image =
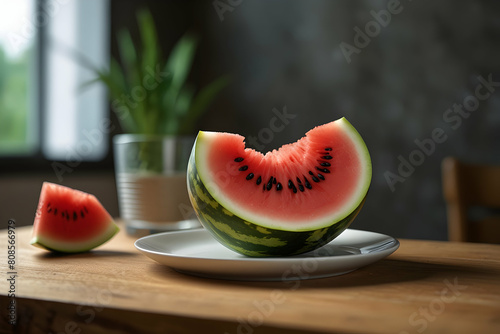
<point x="18" y="130"/>
<point x="77" y="30"/>
<point x="44" y="109"/>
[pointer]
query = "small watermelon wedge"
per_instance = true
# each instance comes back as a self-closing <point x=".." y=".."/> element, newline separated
<point x="285" y="202"/>
<point x="70" y="221"/>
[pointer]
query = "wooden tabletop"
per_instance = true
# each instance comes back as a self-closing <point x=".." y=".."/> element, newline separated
<point x="424" y="287"/>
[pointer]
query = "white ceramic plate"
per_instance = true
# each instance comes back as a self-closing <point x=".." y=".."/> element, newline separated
<point x="196" y="252"/>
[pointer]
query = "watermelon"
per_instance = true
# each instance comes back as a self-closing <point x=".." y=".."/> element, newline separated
<point x="285" y="202"/>
<point x="70" y="221"/>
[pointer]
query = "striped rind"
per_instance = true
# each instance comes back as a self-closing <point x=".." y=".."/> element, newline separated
<point x="45" y="242"/>
<point x="366" y="176"/>
<point x="252" y="239"/>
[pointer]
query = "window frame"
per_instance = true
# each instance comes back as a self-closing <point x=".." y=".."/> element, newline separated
<point x="35" y="161"/>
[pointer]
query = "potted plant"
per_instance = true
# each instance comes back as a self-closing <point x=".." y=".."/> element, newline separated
<point x="158" y="111"/>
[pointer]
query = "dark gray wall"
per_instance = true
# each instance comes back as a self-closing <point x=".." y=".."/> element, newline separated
<point x="396" y="90"/>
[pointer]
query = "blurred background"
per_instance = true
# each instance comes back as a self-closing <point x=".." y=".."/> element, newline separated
<point x="400" y="72"/>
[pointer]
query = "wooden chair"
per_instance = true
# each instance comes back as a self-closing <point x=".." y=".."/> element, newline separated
<point x="468" y="186"/>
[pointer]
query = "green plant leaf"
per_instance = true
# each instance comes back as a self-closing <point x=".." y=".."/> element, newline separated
<point x="201" y="103"/>
<point x="150" y="51"/>
<point x="184" y="100"/>
<point x="179" y="65"/>
<point x="145" y="100"/>
<point x="113" y="79"/>
<point x="121" y="92"/>
<point x="179" y="110"/>
<point x="181" y="58"/>
<point x="128" y="56"/>
<point x="117" y="77"/>
<point x="149" y="60"/>
<point x="89" y="83"/>
<point x="122" y="111"/>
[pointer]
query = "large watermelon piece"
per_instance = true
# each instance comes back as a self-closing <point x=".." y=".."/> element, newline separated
<point x="288" y="201"/>
<point x="70" y="221"/>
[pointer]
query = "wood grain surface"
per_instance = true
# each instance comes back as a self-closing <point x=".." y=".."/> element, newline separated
<point x="425" y="287"/>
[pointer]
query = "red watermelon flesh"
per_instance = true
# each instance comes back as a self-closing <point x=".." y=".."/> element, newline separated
<point x="69" y="220"/>
<point x="322" y="177"/>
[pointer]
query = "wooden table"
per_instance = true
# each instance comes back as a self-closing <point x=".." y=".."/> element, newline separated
<point x="425" y="287"/>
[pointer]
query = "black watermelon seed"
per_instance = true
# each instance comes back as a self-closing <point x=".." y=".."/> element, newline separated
<point x="308" y="185"/>
<point x="301" y="187"/>
<point x="315" y="179"/>
<point x="324" y="170"/>
<point x="62" y="214"/>
<point x="85" y="208"/>
<point x="325" y="164"/>
<point x="250" y="176"/>
<point x="328" y="148"/>
<point x="326" y="157"/>
<point x="259" y="180"/>
<point x="270" y="183"/>
<point x="321" y="176"/>
<point x="55" y="211"/>
<point x="243" y="168"/>
<point x="294" y="189"/>
<point x="279" y="186"/>
<point x="82" y="214"/>
<point x="298" y="180"/>
<point x="48" y="205"/>
<point x="240" y="159"/>
<point x="274" y="181"/>
<point x="49" y="209"/>
<point x="75" y="216"/>
<point x="67" y="215"/>
<point x="290" y="184"/>
<point x="311" y="173"/>
<point x="264" y="187"/>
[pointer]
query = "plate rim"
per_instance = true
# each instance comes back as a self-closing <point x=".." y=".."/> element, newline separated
<point x="392" y="249"/>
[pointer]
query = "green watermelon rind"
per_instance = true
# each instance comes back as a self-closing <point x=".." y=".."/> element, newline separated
<point x="251" y="239"/>
<point x="198" y="158"/>
<point x="61" y="246"/>
<point x="254" y="240"/>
